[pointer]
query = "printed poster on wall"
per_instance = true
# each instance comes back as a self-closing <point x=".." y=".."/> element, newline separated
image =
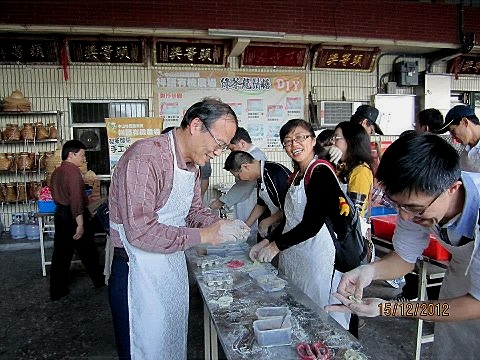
<point x="263" y="102"/>
<point x="123" y="132"/>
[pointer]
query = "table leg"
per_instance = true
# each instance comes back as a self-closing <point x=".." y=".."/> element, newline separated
<point x="422" y="286"/>
<point x="42" y="245"/>
<point x="209" y="336"/>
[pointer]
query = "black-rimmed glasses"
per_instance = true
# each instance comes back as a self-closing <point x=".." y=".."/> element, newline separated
<point x="411" y="210"/>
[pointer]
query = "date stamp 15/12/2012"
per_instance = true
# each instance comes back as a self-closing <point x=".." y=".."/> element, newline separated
<point x="413" y="309"/>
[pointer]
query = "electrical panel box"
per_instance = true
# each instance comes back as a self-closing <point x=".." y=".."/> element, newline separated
<point x="406" y="73"/>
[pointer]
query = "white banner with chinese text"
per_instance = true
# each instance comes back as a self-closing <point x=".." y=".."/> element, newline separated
<point x="263" y="102"/>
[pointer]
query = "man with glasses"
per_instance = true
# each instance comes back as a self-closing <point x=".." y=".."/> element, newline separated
<point x="242" y="194"/>
<point x="464" y="127"/>
<point x="156" y="213"/>
<point x="421" y="176"/>
<point x="271" y="187"/>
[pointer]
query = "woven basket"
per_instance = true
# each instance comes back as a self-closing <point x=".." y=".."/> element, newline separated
<point x="5" y="162"/>
<point x="12" y="132"/>
<point x="52" y="131"/>
<point x="41" y="131"/>
<point x="54" y="161"/>
<point x="16" y="102"/>
<point x="28" y="131"/>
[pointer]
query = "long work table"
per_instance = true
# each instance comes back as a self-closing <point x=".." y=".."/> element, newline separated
<point x="229" y="313"/>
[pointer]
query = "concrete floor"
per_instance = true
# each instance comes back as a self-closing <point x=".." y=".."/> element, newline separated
<point x="80" y="325"/>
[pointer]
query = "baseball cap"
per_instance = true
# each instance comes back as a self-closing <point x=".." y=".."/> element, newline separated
<point x="370" y="113"/>
<point x="455" y="113"/>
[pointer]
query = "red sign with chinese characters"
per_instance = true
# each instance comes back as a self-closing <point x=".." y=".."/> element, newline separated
<point x="345" y="59"/>
<point x="200" y="52"/>
<point x="276" y="55"/>
<point x="464" y="65"/>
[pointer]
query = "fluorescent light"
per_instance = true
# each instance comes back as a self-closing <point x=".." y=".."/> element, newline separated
<point x="246" y="33"/>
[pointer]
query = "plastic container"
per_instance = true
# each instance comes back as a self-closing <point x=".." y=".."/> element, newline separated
<point x="269" y="333"/>
<point x="17" y="228"/>
<point x="46" y="206"/>
<point x="273" y="311"/>
<point x="384" y="226"/>
<point x="382" y="210"/>
<point x="270" y="282"/>
<point x="436" y="251"/>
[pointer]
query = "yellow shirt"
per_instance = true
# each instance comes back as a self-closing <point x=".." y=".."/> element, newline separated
<point x="359" y="185"/>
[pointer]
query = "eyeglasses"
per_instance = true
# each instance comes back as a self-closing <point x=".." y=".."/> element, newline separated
<point x="298" y="139"/>
<point x="220" y="145"/>
<point x="411" y="210"/>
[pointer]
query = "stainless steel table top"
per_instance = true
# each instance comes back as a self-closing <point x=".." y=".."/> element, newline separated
<point x="234" y="323"/>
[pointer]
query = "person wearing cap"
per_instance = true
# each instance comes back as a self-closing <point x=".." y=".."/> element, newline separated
<point x="367" y="116"/>
<point x="464" y="127"/>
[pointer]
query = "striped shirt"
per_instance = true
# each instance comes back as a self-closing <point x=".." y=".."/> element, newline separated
<point x="141" y="184"/>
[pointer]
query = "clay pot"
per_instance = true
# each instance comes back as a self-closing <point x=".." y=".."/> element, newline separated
<point x="28" y="132"/>
<point x="52" y="130"/>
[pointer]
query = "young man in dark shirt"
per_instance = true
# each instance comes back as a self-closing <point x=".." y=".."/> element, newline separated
<point x="72" y="230"/>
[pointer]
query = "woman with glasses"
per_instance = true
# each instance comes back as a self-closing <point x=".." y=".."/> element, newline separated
<point x="306" y="248"/>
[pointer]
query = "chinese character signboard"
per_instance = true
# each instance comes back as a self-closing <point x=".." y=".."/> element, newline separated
<point x="180" y="52"/>
<point x="106" y="51"/>
<point x="263" y="102"/>
<point x="275" y="55"/>
<point x="28" y="51"/>
<point x="341" y="58"/>
<point x="464" y="65"/>
<point x="123" y="132"/>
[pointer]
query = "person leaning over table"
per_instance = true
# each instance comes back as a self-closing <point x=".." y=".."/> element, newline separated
<point x="73" y="230"/>
<point x="421" y="176"/>
<point x="156" y="213"/>
<point x="271" y="179"/>
<point x="305" y="248"/>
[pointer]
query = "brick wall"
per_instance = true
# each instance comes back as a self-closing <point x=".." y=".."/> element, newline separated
<point x="401" y="20"/>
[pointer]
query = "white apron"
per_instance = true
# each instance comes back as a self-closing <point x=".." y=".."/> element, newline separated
<point x="456" y="339"/>
<point x="309" y="265"/>
<point x="158" y="283"/>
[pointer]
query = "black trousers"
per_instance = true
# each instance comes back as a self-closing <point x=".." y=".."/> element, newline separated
<point x="64" y="247"/>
